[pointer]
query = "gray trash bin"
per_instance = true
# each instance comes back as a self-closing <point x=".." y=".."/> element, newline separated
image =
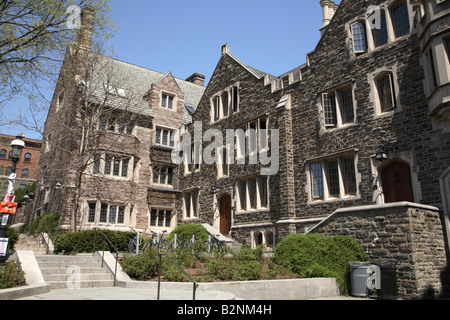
<point x="358" y="278"/>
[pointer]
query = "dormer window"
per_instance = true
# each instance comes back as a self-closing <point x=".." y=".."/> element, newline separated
<point x="167" y="101"/>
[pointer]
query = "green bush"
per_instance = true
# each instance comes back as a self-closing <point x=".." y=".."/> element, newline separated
<point x="143" y="266"/>
<point x="13" y="237"/>
<point x="186" y="231"/>
<point x="11" y="276"/>
<point x="314" y="255"/>
<point x="83" y="241"/>
<point x="48" y="223"/>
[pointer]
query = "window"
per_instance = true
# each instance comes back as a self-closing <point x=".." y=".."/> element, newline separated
<point x="165" y="137"/>
<point x="160" y="218"/>
<point x="338" y="107"/>
<point x="167" y="101"/>
<point x="114" y="165"/>
<point x="163" y="175"/>
<point x="190" y="204"/>
<point x="193" y="159"/>
<point x="386" y="95"/>
<point x="92" y="212"/>
<point x="333" y="178"/>
<point x="3" y="154"/>
<point x="359" y="37"/>
<point x="108" y="213"/>
<point x="252" y="193"/>
<point x="252" y="137"/>
<point x="115" y="91"/>
<point x="27" y="157"/>
<point x="380" y="36"/>
<point x="25" y="173"/>
<point x="223" y="165"/>
<point x="400" y="19"/>
<point x="225" y="102"/>
<point x="117" y="126"/>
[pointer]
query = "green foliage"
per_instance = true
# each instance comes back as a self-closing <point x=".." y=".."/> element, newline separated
<point x="13" y="237"/>
<point x="48" y="223"/>
<point x="186" y="231"/>
<point x="314" y="255"/>
<point x="141" y="267"/>
<point x="21" y="193"/>
<point x="83" y="241"/>
<point x="11" y="276"/>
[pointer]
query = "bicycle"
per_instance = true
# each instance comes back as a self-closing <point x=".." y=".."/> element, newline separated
<point x="213" y="243"/>
<point x="133" y="244"/>
<point x="157" y="241"/>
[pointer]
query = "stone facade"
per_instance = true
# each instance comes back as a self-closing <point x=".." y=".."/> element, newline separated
<point x="107" y="164"/>
<point x="405" y="236"/>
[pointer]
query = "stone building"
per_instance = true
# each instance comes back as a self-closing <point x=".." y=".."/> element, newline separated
<point x="362" y="127"/>
<point x="107" y="141"/>
<point x="355" y="141"/>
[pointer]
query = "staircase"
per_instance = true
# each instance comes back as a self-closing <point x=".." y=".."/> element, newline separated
<point x="74" y="272"/>
<point x="31" y="242"/>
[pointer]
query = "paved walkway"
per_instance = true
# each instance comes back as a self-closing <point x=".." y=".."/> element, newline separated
<point x="129" y="294"/>
<point x="115" y="293"/>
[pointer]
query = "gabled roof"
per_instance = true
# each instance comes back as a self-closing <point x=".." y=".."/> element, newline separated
<point x="136" y="81"/>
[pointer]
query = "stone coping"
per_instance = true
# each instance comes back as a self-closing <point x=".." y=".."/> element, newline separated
<point x="375" y="207"/>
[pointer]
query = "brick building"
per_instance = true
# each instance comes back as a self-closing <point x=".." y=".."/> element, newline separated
<point x="27" y="167"/>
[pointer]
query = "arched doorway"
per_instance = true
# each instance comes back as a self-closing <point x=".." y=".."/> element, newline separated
<point x="397" y="185"/>
<point x="225" y="214"/>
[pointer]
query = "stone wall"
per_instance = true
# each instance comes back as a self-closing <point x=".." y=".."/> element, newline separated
<point x="403" y="235"/>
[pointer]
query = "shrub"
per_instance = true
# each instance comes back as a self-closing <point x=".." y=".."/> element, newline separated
<point x="186" y="231"/>
<point x="13" y="237"/>
<point x="48" y="223"/>
<point x="83" y="241"/>
<point x="143" y="266"/>
<point x="11" y="276"/>
<point x="315" y="256"/>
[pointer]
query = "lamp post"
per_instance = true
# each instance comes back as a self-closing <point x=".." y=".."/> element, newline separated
<point x="8" y="206"/>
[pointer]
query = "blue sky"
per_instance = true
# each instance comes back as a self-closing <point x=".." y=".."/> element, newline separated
<point x="186" y="36"/>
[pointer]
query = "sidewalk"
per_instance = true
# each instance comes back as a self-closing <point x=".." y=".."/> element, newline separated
<point x="115" y="293"/>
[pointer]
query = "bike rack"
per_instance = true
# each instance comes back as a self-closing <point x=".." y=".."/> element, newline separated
<point x="180" y="268"/>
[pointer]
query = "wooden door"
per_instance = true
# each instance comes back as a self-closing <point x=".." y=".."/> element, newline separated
<point x="225" y="214"/>
<point x="397" y="185"/>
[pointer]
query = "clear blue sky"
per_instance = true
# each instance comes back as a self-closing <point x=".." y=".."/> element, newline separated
<point x="186" y="36"/>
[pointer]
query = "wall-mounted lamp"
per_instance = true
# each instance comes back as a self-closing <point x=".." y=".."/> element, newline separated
<point x="382" y="153"/>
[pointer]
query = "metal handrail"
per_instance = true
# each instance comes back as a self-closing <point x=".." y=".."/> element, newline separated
<point x="180" y="268"/>
<point x="103" y="252"/>
<point x="42" y="234"/>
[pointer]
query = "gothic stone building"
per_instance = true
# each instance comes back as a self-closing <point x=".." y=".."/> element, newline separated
<point x="363" y="136"/>
<point x="355" y="141"/>
<point x="106" y="158"/>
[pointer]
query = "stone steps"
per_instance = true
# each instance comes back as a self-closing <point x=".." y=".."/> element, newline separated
<point x="31" y="243"/>
<point x="79" y="271"/>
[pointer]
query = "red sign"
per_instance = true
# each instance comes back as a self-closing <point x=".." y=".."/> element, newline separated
<point x="8" y="207"/>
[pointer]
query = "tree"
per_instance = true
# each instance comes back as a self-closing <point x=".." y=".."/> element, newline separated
<point x="34" y="36"/>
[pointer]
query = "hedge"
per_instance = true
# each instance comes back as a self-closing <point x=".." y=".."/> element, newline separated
<point x="83" y="241"/>
<point x="315" y="256"/>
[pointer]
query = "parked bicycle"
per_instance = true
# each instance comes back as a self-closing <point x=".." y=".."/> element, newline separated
<point x="157" y="241"/>
<point x="135" y="243"/>
<point x="213" y="244"/>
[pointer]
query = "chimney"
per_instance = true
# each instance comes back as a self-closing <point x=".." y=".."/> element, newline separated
<point x="86" y="31"/>
<point x="197" y="78"/>
<point x="329" y="9"/>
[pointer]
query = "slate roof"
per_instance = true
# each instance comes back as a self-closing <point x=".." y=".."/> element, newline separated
<point x="136" y="81"/>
